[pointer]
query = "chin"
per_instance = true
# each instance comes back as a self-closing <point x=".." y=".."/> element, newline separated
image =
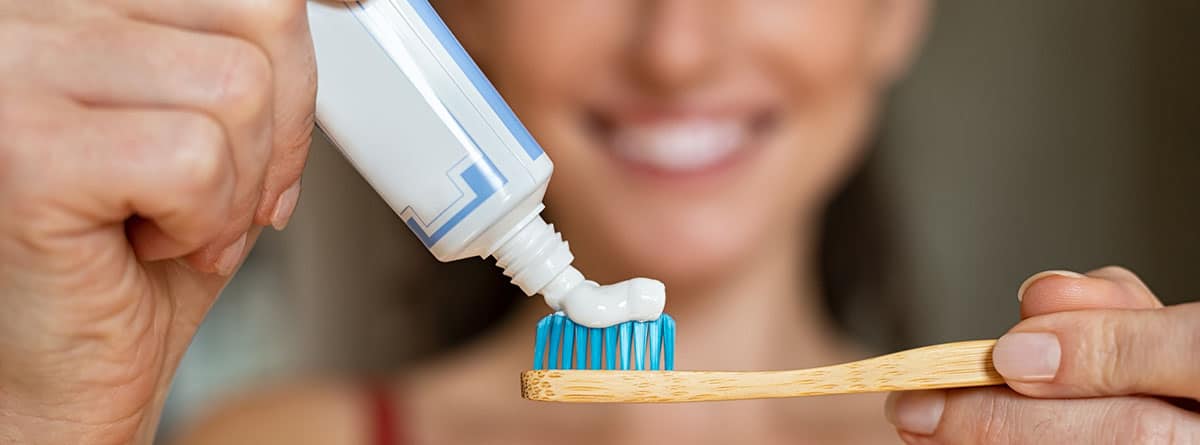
<point x="685" y="244"/>
<point x="684" y="269"/>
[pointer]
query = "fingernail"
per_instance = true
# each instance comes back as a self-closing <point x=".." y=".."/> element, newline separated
<point x="285" y="205"/>
<point x="231" y="256"/>
<point x="1049" y="273"/>
<point x="916" y="412"/>
<point x="1027" y="356"/>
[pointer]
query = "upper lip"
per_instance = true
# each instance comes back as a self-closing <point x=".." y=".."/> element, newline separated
<point x="604" y="119"/>
<point x="652" y="112"/>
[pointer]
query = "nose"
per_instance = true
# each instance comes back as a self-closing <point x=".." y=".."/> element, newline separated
<point x="678" y="43"/>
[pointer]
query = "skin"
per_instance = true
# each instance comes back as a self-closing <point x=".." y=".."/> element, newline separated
<point x="1126" y="372"/>
<point x="99" y="306"/>
<point x="195" y="117"/>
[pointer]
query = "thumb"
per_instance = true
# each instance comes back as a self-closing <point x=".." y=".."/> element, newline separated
<point x="1106" y="352"/>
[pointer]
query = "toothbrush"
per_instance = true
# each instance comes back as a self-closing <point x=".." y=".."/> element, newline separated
<point x="950" y="365"/>
<point x="632" y="345"/>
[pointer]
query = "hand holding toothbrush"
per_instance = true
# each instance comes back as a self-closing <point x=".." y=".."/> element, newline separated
<point x="1097" y="359"/>
<point x="143" y="144"/>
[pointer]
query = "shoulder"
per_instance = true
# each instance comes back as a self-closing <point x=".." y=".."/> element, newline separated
<point x="298" y="413"/>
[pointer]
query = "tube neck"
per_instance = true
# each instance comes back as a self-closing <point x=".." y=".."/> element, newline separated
<point x="539" y="261"/>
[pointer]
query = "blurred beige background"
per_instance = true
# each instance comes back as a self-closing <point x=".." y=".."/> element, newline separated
<point x="1030" y="135"/>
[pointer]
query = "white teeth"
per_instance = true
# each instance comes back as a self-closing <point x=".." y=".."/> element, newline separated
<point x="681" y="145"/>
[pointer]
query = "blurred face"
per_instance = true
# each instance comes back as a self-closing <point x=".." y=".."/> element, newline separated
<point x="688" y="135"/>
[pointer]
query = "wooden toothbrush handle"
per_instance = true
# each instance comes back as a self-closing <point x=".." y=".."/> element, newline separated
<point x="951" y="365"/>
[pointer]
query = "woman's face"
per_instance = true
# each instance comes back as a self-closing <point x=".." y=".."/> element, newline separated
<point x="688" y="135"/>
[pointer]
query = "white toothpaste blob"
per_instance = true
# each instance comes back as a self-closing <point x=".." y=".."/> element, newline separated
<point x="539" y="262"/>
<point x="596" y="306"/>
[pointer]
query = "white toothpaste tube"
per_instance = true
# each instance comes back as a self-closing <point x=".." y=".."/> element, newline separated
<point x="402" y="100"/>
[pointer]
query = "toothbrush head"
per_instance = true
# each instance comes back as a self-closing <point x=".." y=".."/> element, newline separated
<point x="632" y="345"/>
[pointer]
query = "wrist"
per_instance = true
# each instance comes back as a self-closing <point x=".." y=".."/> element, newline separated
<point x="16" y="428"/>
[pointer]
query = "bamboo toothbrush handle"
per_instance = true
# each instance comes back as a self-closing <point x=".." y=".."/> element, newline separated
<point x="950" y="365"/>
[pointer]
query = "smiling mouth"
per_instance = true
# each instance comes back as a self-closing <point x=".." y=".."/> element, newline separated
<point x="681" y="143"/>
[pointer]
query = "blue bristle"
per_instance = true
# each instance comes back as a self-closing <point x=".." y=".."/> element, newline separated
<point x="539" y="348"/>
<point x="668" y="342"/>
<point x="563" y="344"/>
<point x="568" y="345"/>
<point x="655" y="343"/>
<point x="555" y="336"/>
<point x="581" y="346"/>
<point x="610" y="348"/>
<point x="597" y="347"/>
<point x="625" y="342"/>
<point x="639" y="346"/>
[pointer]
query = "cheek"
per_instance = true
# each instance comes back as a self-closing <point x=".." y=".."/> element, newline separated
<point x="817" y="54"/>
<point x="543" y="55"/>
<point x="815" y="41"/>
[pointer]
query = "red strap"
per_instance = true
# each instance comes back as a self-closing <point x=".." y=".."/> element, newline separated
<point x="385" y="429"/>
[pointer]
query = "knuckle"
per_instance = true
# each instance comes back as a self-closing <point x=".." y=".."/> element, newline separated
<point x="1190" y="323"/>
<point x="275" y="15"/>
<point x="201" y="156"/>
<point x="1115" y="271"/>
<point x="994" y="414"/>
<point x="1121" y="277"/>
<point x="10" y="53"/>
<point x="1145" y="423"/>
<point x="9" y="146"/>
<point x="996" y="428"/>
<point x="19" y="135"/>
<point x="1106" y="354"/>
<point x="10" y="126"/>
<point x="245" y="80"/>
<point x="14" y="111"/>
<point x="297" y="140"/>
<point x="19" y="43"/>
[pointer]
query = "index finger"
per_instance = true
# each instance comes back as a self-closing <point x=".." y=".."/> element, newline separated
<point x="1105" y="288"/>
<point x="280" y="29"/>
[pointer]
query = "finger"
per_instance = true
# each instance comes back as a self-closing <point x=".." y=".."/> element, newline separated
<point x="172" y="168"/>
<point x="1104" y="353"/>
<point x="999" y="416"/>
<point x="1143" y="297"/>
<point x="1106" y="288"/>
<point x="133" y="64"/>
<point x="280" y="29"/>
